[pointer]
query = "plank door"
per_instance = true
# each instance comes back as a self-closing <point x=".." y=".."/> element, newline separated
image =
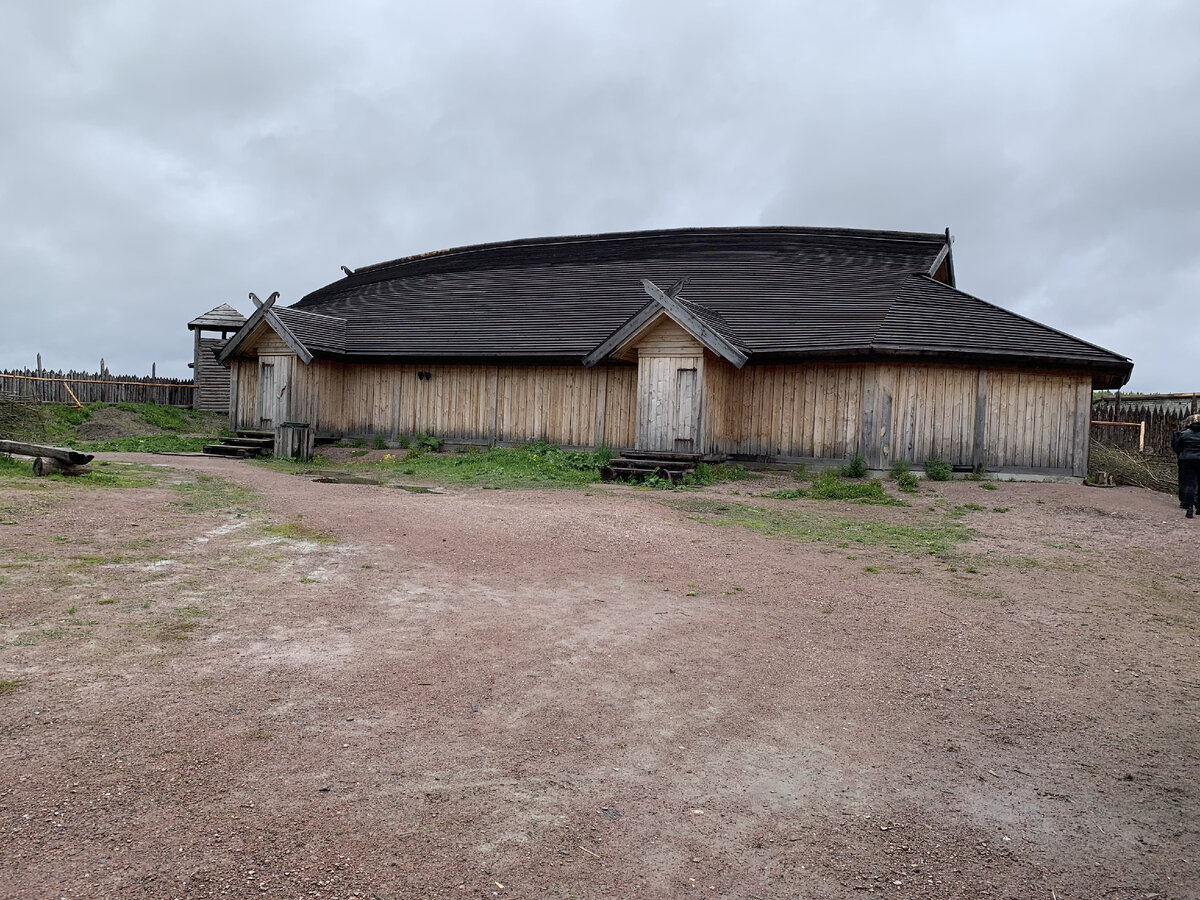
<point x="685" y="413"/>
<point x="272" y="387"/>
<point x="668" y="404"/>
<point x="266" y="396"/>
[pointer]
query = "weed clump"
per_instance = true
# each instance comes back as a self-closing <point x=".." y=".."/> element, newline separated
<point x="899" y="467"/>
<point x="856" y="468"/>
<point x="908" y="482"/>
<point x="938" y="470"/>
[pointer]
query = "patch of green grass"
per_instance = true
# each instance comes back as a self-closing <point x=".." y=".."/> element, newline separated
<point x="807" y="524"/>
<point x="294" y="531"/>
<point x="801" y="473"/>
<point x="999" y="509"/>
<point x="118" y="475"/>
<point x="537" y="464"/>
<point x="378" y="441"/>
<point x="988" y="486"/>
<point x="168" y="418"/>
<point x="10" y="467"/>
<point x="908" y="482"/>
<point x="103" y="474"/>
<point x="828" y="486"/>
<point x="213" y="496"/>
<point x="88" y="561"/>
<point x="8" y="685"/>
<point x="147" y="443"/>
<point x="871" y="570"/>
<point x="713" y="473"/>
<point x="307" y="580"/>
<point x="106" y="601"/>
<point x="898" y="468"/>
<point x="176" y="631"/>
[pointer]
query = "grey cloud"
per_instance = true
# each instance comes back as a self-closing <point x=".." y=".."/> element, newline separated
<point x="160" y="159"/>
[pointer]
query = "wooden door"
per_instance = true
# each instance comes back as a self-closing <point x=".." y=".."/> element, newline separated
<point x="669" y="403"/>
<point x="266" y="395"/>
<point x="684" y="414"/>
<point x="273" y="381"/>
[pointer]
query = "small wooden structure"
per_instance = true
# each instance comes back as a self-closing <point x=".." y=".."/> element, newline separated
<point x="50" y="459"/>
<point x="784" y="344"/>
<point x="210" y="377"/>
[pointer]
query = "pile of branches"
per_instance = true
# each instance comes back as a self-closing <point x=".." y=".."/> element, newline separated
<point x="1112" y="465"/>
<point x="21" y="418"/>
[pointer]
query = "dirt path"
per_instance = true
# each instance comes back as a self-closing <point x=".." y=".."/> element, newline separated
<point x="578" y="694"/>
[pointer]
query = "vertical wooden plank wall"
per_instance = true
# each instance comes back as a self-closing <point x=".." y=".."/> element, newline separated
<point x="567" y="405"/>
<point x="1004" y="418"/>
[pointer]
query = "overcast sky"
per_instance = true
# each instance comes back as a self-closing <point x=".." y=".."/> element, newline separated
<point x="159" y="158"/>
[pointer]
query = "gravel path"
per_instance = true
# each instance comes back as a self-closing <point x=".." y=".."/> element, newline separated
<point x="585" y="694"/>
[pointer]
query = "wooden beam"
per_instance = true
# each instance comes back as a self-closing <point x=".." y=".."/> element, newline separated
<point x="693" y="326"/>
<point x="61" y="454"/>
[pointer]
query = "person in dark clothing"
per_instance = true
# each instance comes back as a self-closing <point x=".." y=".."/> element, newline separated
<point x="1186" y="445"/>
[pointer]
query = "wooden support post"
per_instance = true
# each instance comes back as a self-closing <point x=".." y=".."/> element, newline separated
<point x="72" y="393"/>
<point x="1142" y="437"/>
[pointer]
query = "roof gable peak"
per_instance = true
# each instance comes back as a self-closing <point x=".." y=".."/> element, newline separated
<point x="703" y="327"/>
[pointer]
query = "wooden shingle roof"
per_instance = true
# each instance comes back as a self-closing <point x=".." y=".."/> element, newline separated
<point x="777" y="293"/>
<point x="219" y="318"/>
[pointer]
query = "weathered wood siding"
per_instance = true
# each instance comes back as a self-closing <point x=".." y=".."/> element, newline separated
<point x="1001" y="418"/>
<point x="1004" y="419"/>
<point x="567" y="405"/>
<point x="211" y="378"/>
<point x="668" y="338"/>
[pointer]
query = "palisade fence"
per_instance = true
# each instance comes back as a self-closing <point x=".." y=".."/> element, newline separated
<point x="46" y="386"/>
<point x="1142" y="423"/>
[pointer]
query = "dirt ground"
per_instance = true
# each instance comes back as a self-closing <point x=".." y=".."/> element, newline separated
<point x="355" y="691"/>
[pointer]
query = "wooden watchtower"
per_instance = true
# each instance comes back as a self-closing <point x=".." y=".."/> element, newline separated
<point x="212" y="378"/>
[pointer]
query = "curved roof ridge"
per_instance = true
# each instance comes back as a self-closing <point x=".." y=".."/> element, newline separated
<point x="614" y="236"/>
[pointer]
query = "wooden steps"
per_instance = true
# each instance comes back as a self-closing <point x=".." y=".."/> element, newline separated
<point x="636" y="465"/>
<point x="244" y="444"/>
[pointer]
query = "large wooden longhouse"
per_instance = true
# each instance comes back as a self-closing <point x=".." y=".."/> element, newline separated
<point x="773" y="343"/>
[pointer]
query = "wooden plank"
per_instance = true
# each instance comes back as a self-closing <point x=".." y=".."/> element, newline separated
<point x="885" y="424"/>
<point x="1082" y="430"/>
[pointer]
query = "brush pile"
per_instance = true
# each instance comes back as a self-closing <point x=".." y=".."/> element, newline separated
<point x="21" y="418"/>
<point x="1112" y="465"/>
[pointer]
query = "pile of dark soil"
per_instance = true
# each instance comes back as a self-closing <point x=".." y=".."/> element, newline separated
<point x="108" y="423"/>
